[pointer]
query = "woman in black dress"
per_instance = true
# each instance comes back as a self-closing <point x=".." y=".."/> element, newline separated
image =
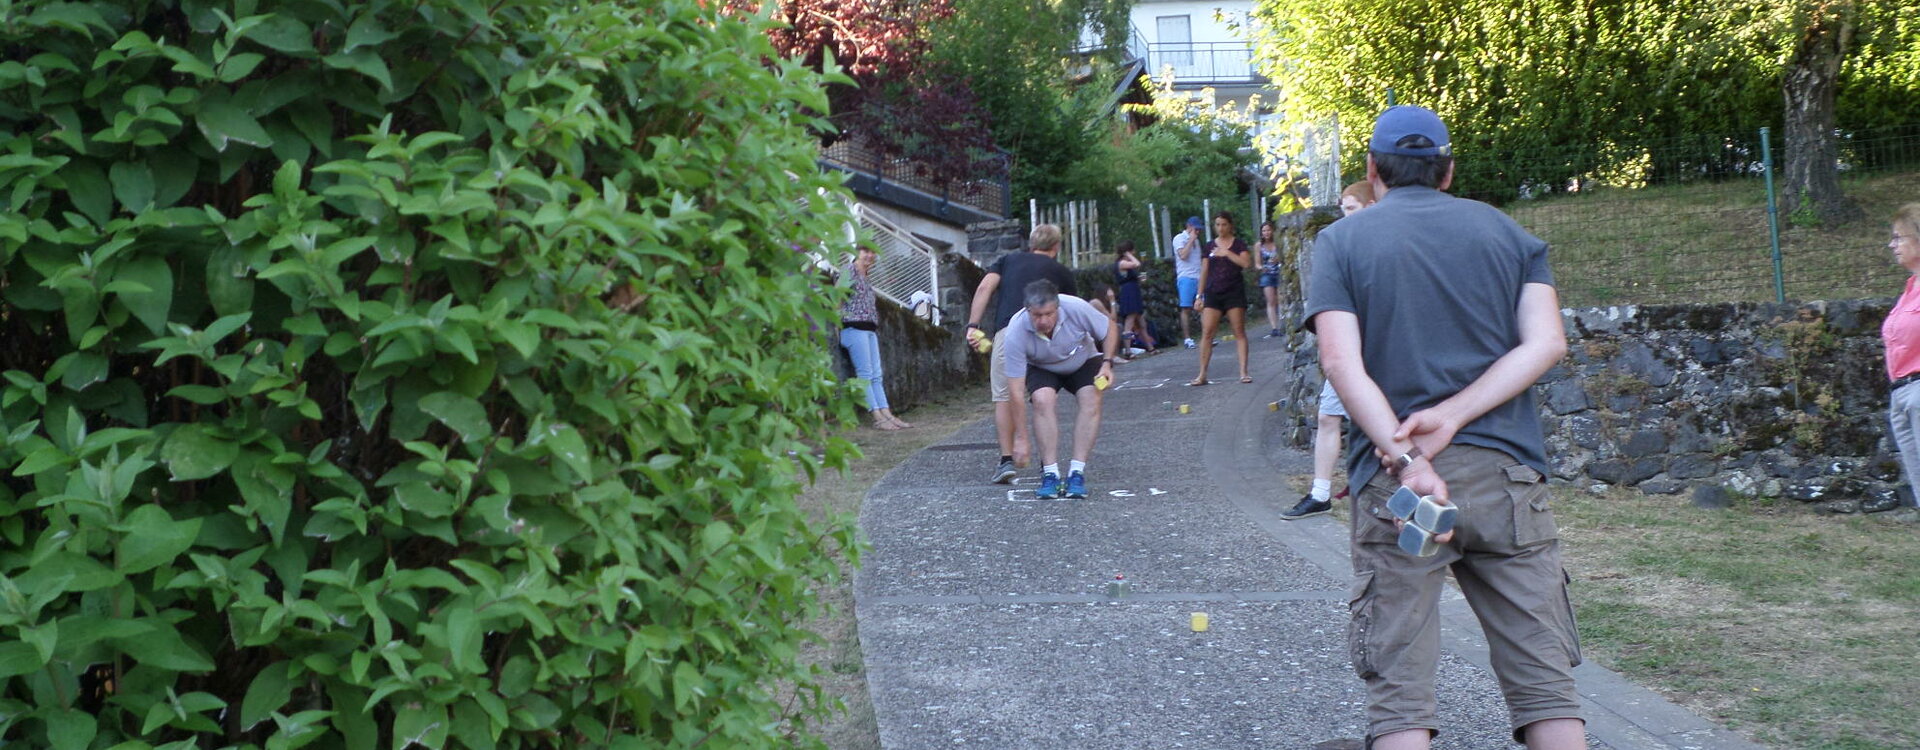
<point x="1223" y="293"/>
<point x="1133" y="308"/>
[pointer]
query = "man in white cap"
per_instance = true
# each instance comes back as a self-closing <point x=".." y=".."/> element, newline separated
<point x="1435" y="316"/>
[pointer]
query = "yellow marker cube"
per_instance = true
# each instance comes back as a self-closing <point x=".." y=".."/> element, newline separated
<point x="1100" y="382"/>
<point x="1273" y="406"/>
<point x="1200" y="622"/>
<point x="1184" y="409"/>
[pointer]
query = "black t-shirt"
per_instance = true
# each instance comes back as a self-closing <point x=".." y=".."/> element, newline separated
<point x="1017" y="270"/>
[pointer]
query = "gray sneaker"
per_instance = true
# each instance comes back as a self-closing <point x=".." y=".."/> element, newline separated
<point x="1307" y="508"/>
<point x="1005" y="473"/>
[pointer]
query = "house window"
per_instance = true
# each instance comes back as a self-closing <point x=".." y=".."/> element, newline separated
<point x="1175" y="41"/>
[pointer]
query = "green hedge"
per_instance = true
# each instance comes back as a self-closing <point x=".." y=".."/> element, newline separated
<point x="390" y="373"/>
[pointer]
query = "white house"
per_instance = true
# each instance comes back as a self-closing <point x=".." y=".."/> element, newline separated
<point x="1201" y="42"/>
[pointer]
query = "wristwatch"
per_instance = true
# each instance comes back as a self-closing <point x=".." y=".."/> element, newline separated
<point x="1405" y="460"/>
<point x="975" y="326"/>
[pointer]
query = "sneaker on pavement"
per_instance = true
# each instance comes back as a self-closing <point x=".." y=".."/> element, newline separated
<point x="1191" y="345"/>
<point x="1271" y="334"/>
<point x="1307" y="508"/>
<point x="1004" y="473"/>
<point x="1077" y="486"/>
<point x="1049" y="487"/>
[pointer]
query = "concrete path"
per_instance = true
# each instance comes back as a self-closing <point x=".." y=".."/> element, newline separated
<point x="985" y="622"/>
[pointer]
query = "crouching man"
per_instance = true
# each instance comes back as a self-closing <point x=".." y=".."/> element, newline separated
<point x="1060" y="343"/>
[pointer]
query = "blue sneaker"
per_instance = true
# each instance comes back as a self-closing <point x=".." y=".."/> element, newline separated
<point x="1077" y="486"/>
<point x="1049" y="487"/>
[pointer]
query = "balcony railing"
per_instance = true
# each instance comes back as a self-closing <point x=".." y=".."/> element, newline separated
<point x="987" y="192"/>
<point x="1204" y="63"/>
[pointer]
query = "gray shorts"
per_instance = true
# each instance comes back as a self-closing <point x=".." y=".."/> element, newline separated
<point x="1506" y="558"/>
<point x="1330" y="402"/>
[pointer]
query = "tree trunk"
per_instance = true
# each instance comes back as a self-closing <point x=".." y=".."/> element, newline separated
<point x="1811" y="173"/>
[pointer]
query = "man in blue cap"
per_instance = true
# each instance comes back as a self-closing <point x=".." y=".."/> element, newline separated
<point x="1435" y="315"/>
<point x="1187" y="259"/>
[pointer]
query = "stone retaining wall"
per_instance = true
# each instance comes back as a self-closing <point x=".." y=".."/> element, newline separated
<point x="1755" y="399"/>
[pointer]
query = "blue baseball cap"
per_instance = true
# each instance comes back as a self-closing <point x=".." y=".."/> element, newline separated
<point x="1404" y="120"/>
<point x="1195" y="222"/>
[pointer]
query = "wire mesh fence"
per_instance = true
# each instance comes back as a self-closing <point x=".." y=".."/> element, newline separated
<point x="1685" y="220"/>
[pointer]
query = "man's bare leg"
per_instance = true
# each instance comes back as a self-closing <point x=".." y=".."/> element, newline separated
<point x="1013" y="435"/>
<point x="1046" y="425"/>
<point x="1326" y="446"/>
<point x="1086" y="424"/>
<point x="1410" y="739"/>
<point x="1555" y="734"/>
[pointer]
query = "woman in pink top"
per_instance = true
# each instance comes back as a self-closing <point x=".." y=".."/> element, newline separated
<point x="1901" y="334"/>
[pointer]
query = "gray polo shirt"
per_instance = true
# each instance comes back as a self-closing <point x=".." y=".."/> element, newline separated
<point x="1076" y="339"/>
<point x="1435" y="282"/>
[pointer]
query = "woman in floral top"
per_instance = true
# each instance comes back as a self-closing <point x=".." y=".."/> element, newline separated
<point x="859" y="326"/>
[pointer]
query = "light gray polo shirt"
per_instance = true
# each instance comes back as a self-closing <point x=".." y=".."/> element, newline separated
<point x="1076" y="339"/>
<point x="1435" y="282"/>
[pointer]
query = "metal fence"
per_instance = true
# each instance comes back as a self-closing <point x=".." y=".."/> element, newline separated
<point x="1202" y="63"/>
<point x="1686" y="220"/>
<point x="988" y="191"/>
<point x="1079" y="223"/>
<point x="906" y="270"/>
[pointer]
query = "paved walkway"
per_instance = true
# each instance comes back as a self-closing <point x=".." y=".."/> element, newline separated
<point x="985" y="622"/>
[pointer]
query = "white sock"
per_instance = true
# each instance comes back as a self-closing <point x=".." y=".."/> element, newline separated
<point x="1076" y="467"/>
<point x="1053" y="469"/>
<point x="1322" y="489"/>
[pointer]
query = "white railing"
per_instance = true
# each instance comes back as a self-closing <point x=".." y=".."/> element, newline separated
<point x="907" y="270"/>
<point x="1079" y="223"/>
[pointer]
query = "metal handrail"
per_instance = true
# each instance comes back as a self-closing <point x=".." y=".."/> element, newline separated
<point x="990" y="192"/>
<point x="907" y="269"/>
<point x="1195" y="63"/>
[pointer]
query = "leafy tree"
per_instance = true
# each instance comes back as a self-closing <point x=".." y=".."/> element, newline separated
<point x="1577" y="88"/>
<point x="1809" y="84"/>
<point x="897" y="99"/>
<point x="1018" y="58"/>
<point x="393" y="373"/>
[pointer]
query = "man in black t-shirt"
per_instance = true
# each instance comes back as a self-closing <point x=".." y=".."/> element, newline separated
<point x="1014" y="271"/>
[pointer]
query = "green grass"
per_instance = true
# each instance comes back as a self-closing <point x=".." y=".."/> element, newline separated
<point x="1795" y="628"/>
<point x="1709" y="242"/>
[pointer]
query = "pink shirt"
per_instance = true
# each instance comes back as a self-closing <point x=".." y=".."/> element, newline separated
<point x="1901" y="333"/>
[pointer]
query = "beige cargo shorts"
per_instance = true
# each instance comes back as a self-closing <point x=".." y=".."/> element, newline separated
<point x="1506" y="558"/>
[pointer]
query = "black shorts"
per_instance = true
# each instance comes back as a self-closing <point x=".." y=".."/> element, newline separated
<point x="1071" y="383"/>
<point x="1227" y="300"/>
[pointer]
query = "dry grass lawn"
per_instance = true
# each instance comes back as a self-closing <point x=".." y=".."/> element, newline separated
<point x="1708" y="242"/>
<point x="1795" y="629"/>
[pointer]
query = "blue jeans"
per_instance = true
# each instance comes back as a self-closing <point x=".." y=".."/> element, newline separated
<point x="864" y="347"/>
